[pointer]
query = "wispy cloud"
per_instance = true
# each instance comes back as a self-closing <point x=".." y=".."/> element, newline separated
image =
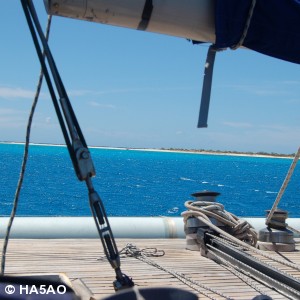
<point x="15" y="92"/>
<point x="81" y="93"/>
<point x="101" y="105"/>
<point x="293" y="101"/>
<point x="7" y="111"/>
<point x="277" y="128"/>
<point x="238" y="124"/>
<point x="291" y="82"/>
<point x="12" y="118"/>
<point x="267" y="89"/>
<point x="262" y="127"/>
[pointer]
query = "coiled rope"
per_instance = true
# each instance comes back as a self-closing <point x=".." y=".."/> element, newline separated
<point x="249" y="240"/>
<point x="204" y="210"/>
<point x="25" y="158"/>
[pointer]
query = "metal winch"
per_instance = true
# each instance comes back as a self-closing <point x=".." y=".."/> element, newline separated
<point x="194" y="226"/>
<point x="276" y="236"/>
<point x="206" y="217"/>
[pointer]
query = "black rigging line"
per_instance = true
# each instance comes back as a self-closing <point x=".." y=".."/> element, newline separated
<point x="76" y="144"/>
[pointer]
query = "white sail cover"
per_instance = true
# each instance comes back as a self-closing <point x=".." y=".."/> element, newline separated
<point x="272" y="27"/>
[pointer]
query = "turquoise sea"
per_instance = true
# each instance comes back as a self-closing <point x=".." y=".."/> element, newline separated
<point x="143" y="183"/>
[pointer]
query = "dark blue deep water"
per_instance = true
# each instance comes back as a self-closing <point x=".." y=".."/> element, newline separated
<point x="143" y="183"/>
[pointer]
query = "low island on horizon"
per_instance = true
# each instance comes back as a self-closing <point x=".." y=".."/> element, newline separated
<point x="183" y="150"/>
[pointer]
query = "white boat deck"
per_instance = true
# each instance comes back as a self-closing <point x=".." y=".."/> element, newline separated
<point x="79" y="259"/>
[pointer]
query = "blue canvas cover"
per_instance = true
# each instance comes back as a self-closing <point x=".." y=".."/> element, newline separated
<point x="274" y="27"/>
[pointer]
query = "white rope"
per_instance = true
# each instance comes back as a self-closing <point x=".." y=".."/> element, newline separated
<point x="240" y="229"/>
<point x="284" y="186"/>
<point x="137" y="293"/>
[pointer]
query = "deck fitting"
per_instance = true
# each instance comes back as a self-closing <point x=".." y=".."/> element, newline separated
<point x="276" y="237"/>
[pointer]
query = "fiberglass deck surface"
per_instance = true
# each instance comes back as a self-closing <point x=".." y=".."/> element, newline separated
<point x="83" y="258"/>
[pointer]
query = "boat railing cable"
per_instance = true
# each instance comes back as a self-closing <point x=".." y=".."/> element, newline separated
<point x="284" y="186"/>
<point x="25" y="156"/>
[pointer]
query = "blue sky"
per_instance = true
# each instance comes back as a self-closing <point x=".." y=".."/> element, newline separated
<point x="137" y="89"/>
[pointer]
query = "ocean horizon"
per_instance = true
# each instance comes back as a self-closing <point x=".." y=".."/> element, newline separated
<point x="177" y="150"/>
<point x="143" y="182"/>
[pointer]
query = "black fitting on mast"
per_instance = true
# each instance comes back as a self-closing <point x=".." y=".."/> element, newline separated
<point x="109" y="245"/>
<point x="72" y="134"/>
<point x="76" y="144"/>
